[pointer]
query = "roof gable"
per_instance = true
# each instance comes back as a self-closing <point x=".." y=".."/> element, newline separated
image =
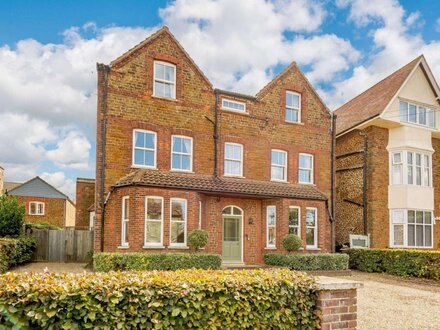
<point x="372" y="102"/>
<point x="37" y="187"/>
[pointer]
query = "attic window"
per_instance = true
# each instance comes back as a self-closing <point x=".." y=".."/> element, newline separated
<point x="36" y="208"/>
<point x="233" y="105"/>
<point x="416" y="114"/>
<point x="293" y="107"/>
<point x="164" y="80"/>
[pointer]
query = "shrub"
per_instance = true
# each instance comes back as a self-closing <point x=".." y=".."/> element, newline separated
<point x="108" y="261"/>
<point x="11" y="216"/>
<point x="397" y="262"/>
<point x="42" y="225"/>
<point x="308" y="261"/>
<point x="291" y="242"/>
<point x="185" y="299"/>
<point x="15" y="251"/>
<point x="198" y="238"/>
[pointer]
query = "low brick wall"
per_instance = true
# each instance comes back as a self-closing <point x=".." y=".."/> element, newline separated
<point x="337" y="301"/>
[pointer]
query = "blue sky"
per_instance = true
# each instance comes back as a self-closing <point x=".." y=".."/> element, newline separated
<point x="49" y="50"/>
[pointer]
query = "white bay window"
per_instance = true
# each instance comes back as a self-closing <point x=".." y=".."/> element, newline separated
<point x="416" y="165"/>
<point x="411" y="228"/>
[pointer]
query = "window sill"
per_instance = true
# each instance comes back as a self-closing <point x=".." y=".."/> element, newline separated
<point x="307" y="183"/>
<point x="312" y="249"/>
<point x="153" y="247"/>
<point x="244" y="113"/>
<point x="293" y="122"/>
<point x="164" y="98"/>
<point x="270" y="248"/>
<point x="124" y="247"/>
<point x="279" y="181"/>
<point x="234" y="176"/>
<point x="178" y="247"/>
<point x="145" y="167"/>
<point x="181" y="171"/>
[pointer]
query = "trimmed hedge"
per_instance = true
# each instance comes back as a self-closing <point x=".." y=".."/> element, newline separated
<point x="308" y="261"/>
<point x="184" y="299"/>
<point x="108" y="261"/>
<point x="414" y="263"/>
<point x="15" y="251"/>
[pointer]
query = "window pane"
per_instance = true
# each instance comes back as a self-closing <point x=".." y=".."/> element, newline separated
<point x="271" y="216"/>
<point x="278" y="158"/>
<point x="159" y="71"/>
<point x="277" y="173"/>
<point x="271" y="238"/>
<point x="186" y="146"/>
<point x="305" y="161"/>
<point x="422" y="116"/>
<point x="125" y="209"/>
<point x="310" y="236"/>
<point x="177" y="144"/>
<point x="177" y="232"/>
<point x="176" y="161"/>
<point x="293" y="230"/>
<point x="231" y="230"/>
<point x="154" y="229"/>
<point x="168" y="90"/>
<point x="33" y="208"/>
<point x="419" y="217"/>
<point x="237" y="152"/>
<point x="305" y="176"/>
<point x="169" y="73"/>
<point x="186" y="163"/>
<point x="40" y="208"/>
<point x="227" y="210"/>
<point x="292" y="100"/>
<point x="418" y="176"/>
<point x="411" y="232"/>
<point x="419" y="235"/>
<point x="292" y="115"/>
<point x="178" y="211"/>
<point x="232" y="167"/>
<point x="428" y="239"/>
<point x="236" y="211"/>
<point x="412" y="113"/>
<point x="411" y="216"/>
<point x="397" y="174"/>
<point x="159" y="88"/>
<point x="398" y="217"/>
<point x="139" y="139"/>
<point x="154" y="209"/>
<point x="430" y="117"/>
<point x="397" y="158"/>
<point x="125" y="231"/>
<point x="310" y="218"/>
<point x="293" y="217"/>
<point x="428" y="219"/>
<point x="398" y="234"/>
<point x="403" y="111"/>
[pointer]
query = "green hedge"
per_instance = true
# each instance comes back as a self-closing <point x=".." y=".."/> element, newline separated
<point x="108" y="261"/>
<point x="15" y="251"/>
<point x="308" y="261"/>
<point x="415" y="263"/>
<point x="183" y="299"/>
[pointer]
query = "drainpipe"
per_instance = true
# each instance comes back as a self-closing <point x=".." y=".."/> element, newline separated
<point x="364" y="181"/>
<point x="216" y="134"/>
<point x="333" y="184"/>
<point x="105" y="69"/>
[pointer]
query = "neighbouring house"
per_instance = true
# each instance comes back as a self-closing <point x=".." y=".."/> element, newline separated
<point x="174" y="154"/>
<point x="387" y="156"/>
<point x="84" y="202"/>
<point x="5" y="186"/>
<point x="44" y="203"/>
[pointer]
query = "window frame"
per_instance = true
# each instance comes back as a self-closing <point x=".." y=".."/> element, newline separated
<point x="279" y="166"/>
<point x="395" y="165"/>
<point x="233" y="160"/>
<point x="428" y="110"/>
<point x="233" y="109"/>
<point x="184" y="244"/>
<point x="164" y="81"/>
<point x="299" y="219"/>
<point x="181" y="153"/>
<point x="291" y="108"/>
<point x="312" y="169"/>
<point x="37" y="204"/>
<point x="405" y="224"/>
<point x="161" y="221"/>
<point x="406" y="166"/>
<point x="125" y="219"/>
<point x="271" y="246"/>
<point x="144" y="149"/>
<point x="315" y="244"/>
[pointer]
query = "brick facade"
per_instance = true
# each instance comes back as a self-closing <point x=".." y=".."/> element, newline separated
<point x="54" y="210"/>
<point x="85" y="197"/>
<point x="338" y="309"/>
<point x="125" y="103"/>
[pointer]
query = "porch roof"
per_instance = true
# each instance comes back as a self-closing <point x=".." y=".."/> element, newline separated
<point x="220" y="185"/>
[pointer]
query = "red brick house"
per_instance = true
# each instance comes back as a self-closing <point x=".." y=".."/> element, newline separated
<point x="174" y="154"/>
<point x="387" y="151"/>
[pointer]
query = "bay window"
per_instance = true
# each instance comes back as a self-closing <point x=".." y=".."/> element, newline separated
<point x="411" y="228"/>
<point x="124" y="221"/>
<point x="294" y="221"/>
<point x="416" y="165"/>
<point x="178" y="222"/>
<point x="311" y="228"/>
<point x="153" y="221"/>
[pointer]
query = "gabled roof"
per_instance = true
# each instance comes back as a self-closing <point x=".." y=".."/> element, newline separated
<point x="164" y="30"/>
<point x="37" y="187"/>
<point x="374" y="100"/>
<point x="8" y="186"/>
<point x="220" y="185"/>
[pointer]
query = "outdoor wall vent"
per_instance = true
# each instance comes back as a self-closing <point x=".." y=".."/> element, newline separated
<point x="359" y="241"/>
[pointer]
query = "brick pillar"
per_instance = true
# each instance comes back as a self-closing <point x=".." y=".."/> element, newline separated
<point x="337" y="301"/>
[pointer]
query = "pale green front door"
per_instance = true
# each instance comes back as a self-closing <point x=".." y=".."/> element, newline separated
<point x="232" y="244"/>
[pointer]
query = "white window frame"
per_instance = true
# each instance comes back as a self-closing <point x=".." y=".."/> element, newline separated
<point x="37" y="206"/>
<point x="233" y="160"/>
<point x="125" y="220"/>
<point x="293" y="108"/>
<point x="414" y="167"/>
<point x="312" y="172"/>
<point x="146" y="220"/>
<point x="299" y="220"/>
<point x="182" y="153"/>
<point x="184" y="244"/>
<point x="405" y="117"/>
<point x="229" y="108"/>
<point x="405" y="228"/>
<point x="284" y="167"/>
<point x="315" y="245"/>
<point x="168" y="82"/>
<point x="144" y="149"/>
<point x="271" y="207"/>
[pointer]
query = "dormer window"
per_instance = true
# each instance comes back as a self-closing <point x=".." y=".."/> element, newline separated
<point x="164" y="80"/>
<point x="415" y="114"/>
<point x="293" y="107"/>
<point x="233" y="105"/>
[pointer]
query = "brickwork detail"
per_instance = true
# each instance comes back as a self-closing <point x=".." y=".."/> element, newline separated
<point x="338" y="309"/>
<point x="54" y="210"/>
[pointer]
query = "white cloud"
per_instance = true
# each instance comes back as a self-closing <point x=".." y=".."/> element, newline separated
<point x="61" y="182"/>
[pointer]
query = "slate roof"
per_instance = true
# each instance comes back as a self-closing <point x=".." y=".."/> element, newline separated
<point x="373" y="101"/>
<point x="37" y="187"/>
<point x="211" y="184"/>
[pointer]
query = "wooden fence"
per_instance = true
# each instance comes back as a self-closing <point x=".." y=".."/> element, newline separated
<point x="67" y="245"/>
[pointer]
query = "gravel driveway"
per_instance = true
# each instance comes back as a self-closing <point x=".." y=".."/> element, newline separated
<point x="391" y="302"/>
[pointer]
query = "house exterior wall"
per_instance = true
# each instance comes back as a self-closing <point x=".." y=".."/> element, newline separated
<point x="85" y="197"/>
<point x="54" y="210"/>
<point x="128" y="104"/>
<point x="70" y="214"/>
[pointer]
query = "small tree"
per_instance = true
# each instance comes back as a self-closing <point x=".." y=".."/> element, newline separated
<point x="11" y="216"/>
<point x="198" y="238"/>
<point x="292" y="242"/>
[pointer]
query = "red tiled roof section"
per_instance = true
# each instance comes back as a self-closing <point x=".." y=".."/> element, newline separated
<point x="211" y="184"/>
<point x="373" y="101"/>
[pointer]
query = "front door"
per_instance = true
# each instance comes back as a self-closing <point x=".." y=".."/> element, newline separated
<point x="232" y="234"/>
